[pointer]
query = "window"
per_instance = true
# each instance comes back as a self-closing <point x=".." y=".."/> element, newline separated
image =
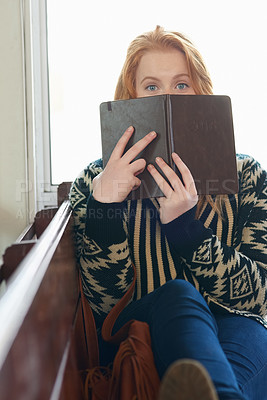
<point x="87" y="43"/>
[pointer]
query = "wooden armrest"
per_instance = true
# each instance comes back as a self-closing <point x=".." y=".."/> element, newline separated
<point x="40" y="316"/>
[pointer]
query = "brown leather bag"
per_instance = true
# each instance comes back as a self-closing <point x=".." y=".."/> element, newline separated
<point x="133" y="375"/>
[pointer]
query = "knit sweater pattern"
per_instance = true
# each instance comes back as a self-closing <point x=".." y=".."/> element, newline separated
<point x="224" y="258"/>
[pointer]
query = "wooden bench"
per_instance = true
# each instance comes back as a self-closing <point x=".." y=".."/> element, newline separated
<point x="42" y="347"/>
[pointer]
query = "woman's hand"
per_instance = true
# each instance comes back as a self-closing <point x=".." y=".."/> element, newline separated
<point x="120" y="174"/>
<point x="179" y="198"/>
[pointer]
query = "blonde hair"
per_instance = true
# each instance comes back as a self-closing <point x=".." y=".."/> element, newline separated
<point x="160" y="39"/>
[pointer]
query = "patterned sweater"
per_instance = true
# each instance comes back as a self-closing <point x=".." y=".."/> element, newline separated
<point x="224" y="258"/>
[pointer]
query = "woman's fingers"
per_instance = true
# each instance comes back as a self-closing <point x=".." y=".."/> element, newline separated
<point x="161" y="182"/>
<point x="137" y="183"/>
<point x="187" y="185"/>
<point x="187" y="177"/>
<point x="120" y="174"/>
<point x="170" y="174"/>
<point x="121" y="144"/>
<point x="178" y="199"/>
<point x="138" y="166"/>
<point x="130" y="154"/>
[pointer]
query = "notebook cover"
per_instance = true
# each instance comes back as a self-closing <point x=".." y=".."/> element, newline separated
<point x="203" y="136"/>
<point x="145" y="115"/>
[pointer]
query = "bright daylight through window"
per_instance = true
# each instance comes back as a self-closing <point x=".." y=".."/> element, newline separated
<point x="87" y="42"/>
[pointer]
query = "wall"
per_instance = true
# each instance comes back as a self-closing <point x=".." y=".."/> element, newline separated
<point x="13" y="201"/>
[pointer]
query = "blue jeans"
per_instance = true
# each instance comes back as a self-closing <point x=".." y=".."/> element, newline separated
<point x="232" y="348"/>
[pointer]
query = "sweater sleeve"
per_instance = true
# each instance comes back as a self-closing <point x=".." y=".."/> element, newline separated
<point x="101" y="245"/>
<point x="233" y="276"/>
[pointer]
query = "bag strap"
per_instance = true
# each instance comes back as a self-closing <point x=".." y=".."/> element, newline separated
<point x="112" y="316"/>
<point x="109" y="322"/>
<point x="90" y="332"/>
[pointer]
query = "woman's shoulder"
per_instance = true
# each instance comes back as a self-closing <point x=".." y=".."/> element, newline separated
<point x="88" y="173"/>
<point x="250" y="172"/>
<point x="82" y="185"/>
<point x="246" y="161"/>
<point x="92" y="169"/>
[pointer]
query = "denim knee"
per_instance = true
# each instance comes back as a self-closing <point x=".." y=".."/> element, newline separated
<point x="180" y="299"/>
<point x="179" y="289"/>
<point x="178" y="286"/>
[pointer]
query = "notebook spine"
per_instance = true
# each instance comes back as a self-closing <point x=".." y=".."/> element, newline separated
<point x="169" y="136"/>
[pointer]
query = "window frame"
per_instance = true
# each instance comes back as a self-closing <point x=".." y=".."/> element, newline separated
<point x="42" y="193"/>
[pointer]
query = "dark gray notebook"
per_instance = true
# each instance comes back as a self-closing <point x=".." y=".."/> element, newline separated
<point x="199" y="128"/>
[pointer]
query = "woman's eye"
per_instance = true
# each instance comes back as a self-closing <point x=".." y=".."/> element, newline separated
<point x="182" y="86"/>
<point x="151" y="87"/>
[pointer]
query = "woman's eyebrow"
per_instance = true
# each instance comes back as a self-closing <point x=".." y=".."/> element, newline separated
<point x="178" y="76"/>
<point x="153" y="78"/>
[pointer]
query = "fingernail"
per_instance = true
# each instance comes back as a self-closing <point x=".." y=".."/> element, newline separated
<point x="158" y="159"/>
<point x="153" y="133"/>
<point x="149" y="167"/>
<point x="130" y="128"/>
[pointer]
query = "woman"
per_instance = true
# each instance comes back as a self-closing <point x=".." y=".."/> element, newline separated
<point x="201" y="262"/>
